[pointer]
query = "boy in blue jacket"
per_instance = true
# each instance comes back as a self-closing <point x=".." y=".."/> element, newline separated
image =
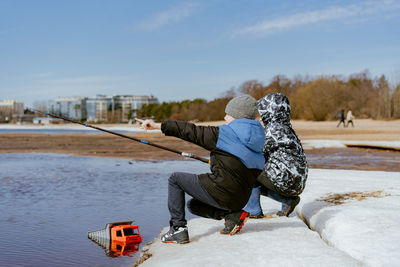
<point x="235" y="162"/>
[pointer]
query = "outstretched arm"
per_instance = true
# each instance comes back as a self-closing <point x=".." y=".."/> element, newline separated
<point x="204" y="136"/>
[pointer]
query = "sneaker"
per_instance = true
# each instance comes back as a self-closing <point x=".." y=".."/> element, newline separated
<point x="288" y="207"/>
<point x="178" y="235"/>
<point x="234" y="222"/>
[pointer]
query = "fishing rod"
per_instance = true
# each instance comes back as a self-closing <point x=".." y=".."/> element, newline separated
<point x="184" y="154"/>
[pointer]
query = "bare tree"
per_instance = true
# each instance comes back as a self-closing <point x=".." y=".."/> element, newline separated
<point x="253" y="88"/>
<point x="384" y="98"/>
<point x="396" y="102"/>
<point x="231" y="93"/>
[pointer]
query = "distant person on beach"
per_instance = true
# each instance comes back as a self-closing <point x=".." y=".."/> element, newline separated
<point x="285" y="172"/>
<point x="236" y="160"/>
<point x="341" y="118"/>
<point x="349" y="119"/>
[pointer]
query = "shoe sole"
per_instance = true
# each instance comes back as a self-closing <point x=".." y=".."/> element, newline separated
<point x="176" y="242"/>
<point x="243" y="218"/>
<point x="260" y="216"/>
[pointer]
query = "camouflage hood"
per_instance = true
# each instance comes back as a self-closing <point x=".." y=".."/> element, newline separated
<point x="285" y="161"/>
<point x="274" y="108"/>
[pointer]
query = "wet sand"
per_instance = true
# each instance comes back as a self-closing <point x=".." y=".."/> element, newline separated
<point x="98" y="145"/>
<point x="106" y="145"/>
<point x="365" y="130"/>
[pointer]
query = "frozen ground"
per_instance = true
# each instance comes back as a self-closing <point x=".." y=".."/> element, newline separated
<point x="354" y="220"/>
<point x="310" y="144"/>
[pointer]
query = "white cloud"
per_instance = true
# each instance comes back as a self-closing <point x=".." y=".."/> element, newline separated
<point x="355" y="11"/>
<point x="171" y="15"/>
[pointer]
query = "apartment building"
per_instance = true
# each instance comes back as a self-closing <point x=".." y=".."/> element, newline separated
<point x="10" y="108"/>
<point x="98" y="107"/>
<point x="71" y="107"/>
<point x="101" y="108"/>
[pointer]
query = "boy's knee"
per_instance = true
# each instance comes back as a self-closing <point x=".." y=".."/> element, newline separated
<point x="174" y="177"/>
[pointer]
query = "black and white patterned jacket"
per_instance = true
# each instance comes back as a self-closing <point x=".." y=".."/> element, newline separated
<point x="285" y="161"/>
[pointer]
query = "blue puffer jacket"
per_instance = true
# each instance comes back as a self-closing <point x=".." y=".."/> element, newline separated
<point x="243" y="138"/>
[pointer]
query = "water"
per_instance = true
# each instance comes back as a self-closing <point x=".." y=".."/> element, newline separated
<point x="65" y="130"/>
<point x="354" y="158"/>
<point x="52" y="131"/>
<point x="48" y="203"/>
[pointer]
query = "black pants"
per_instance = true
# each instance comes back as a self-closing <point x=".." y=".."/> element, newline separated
<point x="348" y="122"/>
<point x="269" y="190"/>
<point x="202" y="204"/>
<point x="344" y="123"/>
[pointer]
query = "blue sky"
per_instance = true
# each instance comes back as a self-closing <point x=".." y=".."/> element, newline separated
<point x="179" y="50"/>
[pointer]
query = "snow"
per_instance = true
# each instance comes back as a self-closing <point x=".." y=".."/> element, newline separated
<point x="362" y="232"/>
<point x="320" y="143"/>
<point x="367" y="230"/>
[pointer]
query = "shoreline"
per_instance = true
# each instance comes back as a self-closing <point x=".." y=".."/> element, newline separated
<point x="317" y="137"/>
<point x="365" y="129"/>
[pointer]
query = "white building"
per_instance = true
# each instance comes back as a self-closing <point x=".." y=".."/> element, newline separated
<point x="130" y="104"/>
<point x="8" y="108"/>
<point x="100" y="108"/>
<point x="119" y="108"/>
<point x="97" y="108"/>
<point x="70" y="107"/>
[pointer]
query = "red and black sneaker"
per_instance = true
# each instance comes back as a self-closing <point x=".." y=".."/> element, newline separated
<point x="234" y="222"/>
<point x="177" y="235"/>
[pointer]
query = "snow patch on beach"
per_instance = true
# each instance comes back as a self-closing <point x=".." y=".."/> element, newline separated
<point x="320" y="143"/>
<point x="359" y="231"/>
<point x="367" y="229"/>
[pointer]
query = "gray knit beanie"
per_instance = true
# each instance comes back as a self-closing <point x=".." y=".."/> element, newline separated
<point x="244" y="106"/>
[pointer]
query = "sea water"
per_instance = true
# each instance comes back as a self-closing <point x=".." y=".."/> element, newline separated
<point x="48" y="203"/>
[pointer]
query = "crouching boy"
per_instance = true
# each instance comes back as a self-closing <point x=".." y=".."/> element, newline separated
<point x="236" y="160"/>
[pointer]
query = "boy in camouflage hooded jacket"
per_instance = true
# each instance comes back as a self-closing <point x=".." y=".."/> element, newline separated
<point x="285" y="171"/>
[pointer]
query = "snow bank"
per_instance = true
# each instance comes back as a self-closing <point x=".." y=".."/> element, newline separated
<point x="354" y="233"/>
<point x="367" y="229"/>
<point x="319" y="143"/>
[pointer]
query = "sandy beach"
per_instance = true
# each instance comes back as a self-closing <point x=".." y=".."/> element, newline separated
<point x="113" y="146"/>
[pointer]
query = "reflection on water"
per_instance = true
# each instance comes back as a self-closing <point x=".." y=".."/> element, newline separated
<point x="123" y="249"/>
<point x="49" y="202"/>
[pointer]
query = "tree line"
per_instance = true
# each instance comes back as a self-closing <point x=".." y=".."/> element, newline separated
<point x="316" y="99"/>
